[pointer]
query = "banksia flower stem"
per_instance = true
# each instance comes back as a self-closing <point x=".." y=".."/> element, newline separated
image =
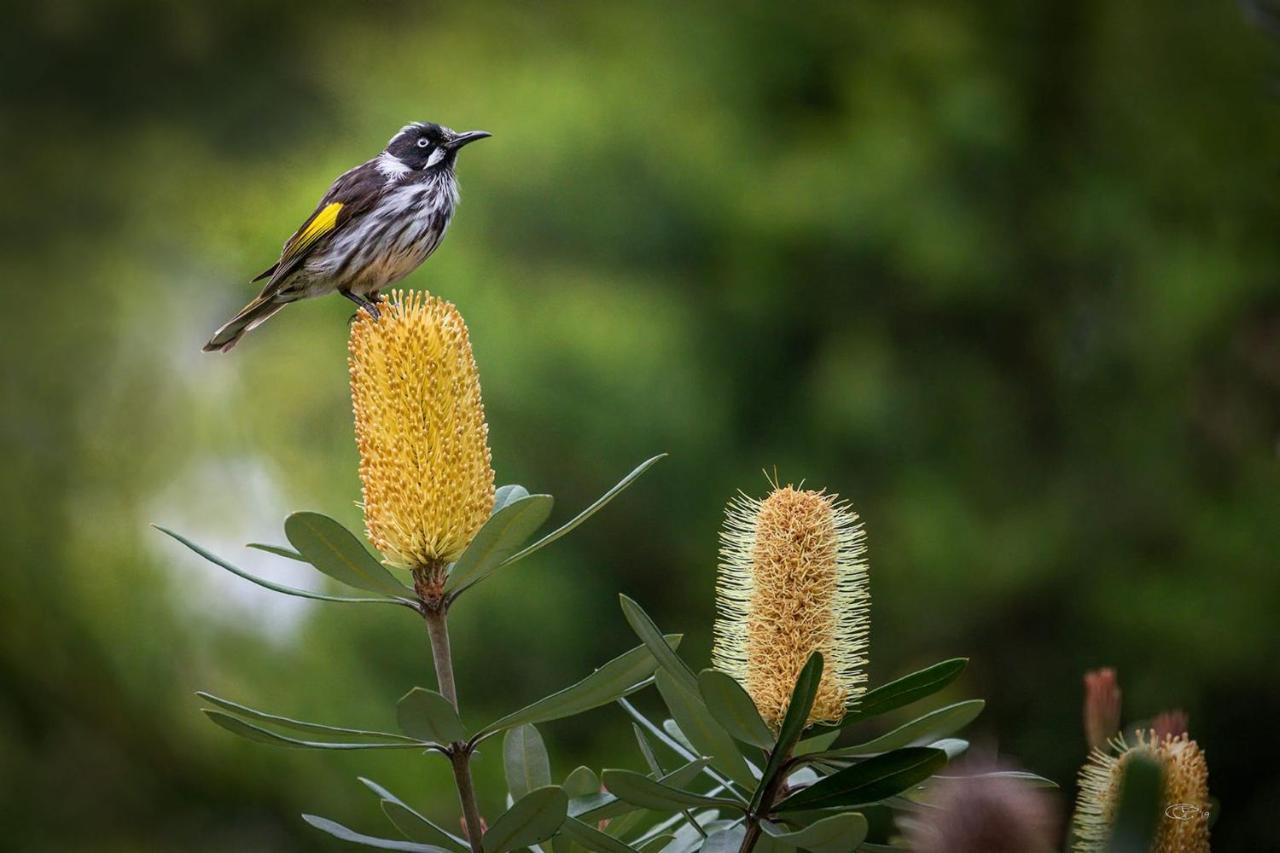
<point x="459" y="752"/>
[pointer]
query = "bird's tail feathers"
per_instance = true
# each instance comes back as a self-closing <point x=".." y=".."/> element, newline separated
<point x="249" y="318"/>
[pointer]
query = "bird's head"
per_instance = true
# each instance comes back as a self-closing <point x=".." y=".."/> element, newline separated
<point x="423" y="145"/>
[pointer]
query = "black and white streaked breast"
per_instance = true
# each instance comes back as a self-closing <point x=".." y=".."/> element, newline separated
<point x="401" y="231"/>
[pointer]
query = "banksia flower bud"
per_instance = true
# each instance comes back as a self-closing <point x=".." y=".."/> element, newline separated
<point x="792" y="581"/>
<point x="1101" y="707"/>
<point x="1169" y="724"/>
<point x="1184" y="799"/>
<point x="420" y="427"/>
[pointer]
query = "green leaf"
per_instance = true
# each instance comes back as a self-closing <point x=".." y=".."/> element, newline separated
<point x="593" y="839"/>
<point x="427" y="715"/>
<point x="404" y="811"/>
<point x="653" y="845"/>
<point x="652" y="637"/>
<point x="586" y="513"/>
<point x="524" y="757"/>
<point x="905" y="690"/>
<point x="582" y="782"/>
<point x="417" y="827"/>
<point x="732" y="707"/>
<point x="1018" y="775"/>
<point x="793" y="722"/>
<point x="535" y="817"/>
<point x="702" y="730"/>
<point x="237" y="726"/>
<point x="504" y="532"/>
<point x="931" y="726"/>
<point x="623" y="675"/>
<point x="337" y="830"/>
<point x="296" y="725"/>
<point x="334" y="550"/>
<point x="954" y="747"/>
<point x="868" y="781"/>
<point x="287" y="553"/>
<point x="840" y="833"/>
<point x="275" y="587"/>
<point x="604" y="806"/>
<point x="818" y="743"/>
<point x="640" y="790"/>
<point x="506" y="494"/>
<point x="646" y="750"/>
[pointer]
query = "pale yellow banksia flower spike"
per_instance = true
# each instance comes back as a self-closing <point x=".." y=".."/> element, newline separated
<point x="1184" y="800"/>
<point x="425" y="465"/>
<point x="792" y="581"/>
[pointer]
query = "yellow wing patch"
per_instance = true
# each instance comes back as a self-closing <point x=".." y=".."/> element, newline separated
<point x="322" y="224"/>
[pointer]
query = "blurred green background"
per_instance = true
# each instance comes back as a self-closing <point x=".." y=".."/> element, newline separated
<point x="1005" y="276"/>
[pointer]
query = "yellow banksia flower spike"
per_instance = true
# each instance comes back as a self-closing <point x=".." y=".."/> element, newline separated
<point x="425" y="465"/>
<point x="1184" y="800"/>
<point x="792" y="581"/>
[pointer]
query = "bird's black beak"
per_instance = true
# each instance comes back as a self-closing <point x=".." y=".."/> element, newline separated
<point x="467" y="138"/>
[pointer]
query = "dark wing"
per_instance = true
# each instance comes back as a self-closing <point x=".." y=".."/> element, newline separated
<point x="352" y="195"/>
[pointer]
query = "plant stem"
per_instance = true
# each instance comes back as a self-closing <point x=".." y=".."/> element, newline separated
<point x="461" y="760"/>
<point x="438" y="632"/>
<point x="459" y="752"/>
<point x="767" y="796"/>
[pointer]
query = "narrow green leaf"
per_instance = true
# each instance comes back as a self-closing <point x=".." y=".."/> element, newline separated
<point x="386" y="797"/>
<point x="707" y="736"/>
<point x="337" y="830"/>
<point x="818" y="743"/>
<point x="1018" y="775"/>
<point x="840" y="833"/>
<point x="426" y="715"/>
<point x="640" y="790"/>
<point x="905" y="690"/>
<point x="793" y="722"/>
<point x="933" y="725"/>
<point x="525" y="760"/>
<point x="653" y="845"/>
<point x="603" y="806"/>
<point x="868" y="781"/>
<point x="334" y="550"/>
<point x="652" y="637"/>
<point x="506" y="494"/>
<point x="275" y="587"/>
<point x="504" y="532"/>
<point x="535" y="817"/>
<point x="732" y="707"/>
<point x="237" y="726"/>
<point x="582" y="782"/>
<point x="416" y="827"/>
<point x="646" y="750"/>
<point x="593" y="839"/>
<point x="296" y="725"/>
<point x="287" y="553"/>
<point x="617" y="678"/>
<point x="586" y="513"/>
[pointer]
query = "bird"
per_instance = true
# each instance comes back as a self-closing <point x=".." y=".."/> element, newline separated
<point x="376" y="224"/>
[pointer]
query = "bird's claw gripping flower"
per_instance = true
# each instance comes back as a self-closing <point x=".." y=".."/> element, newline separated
<point x="1184" y="797"/>
<point x="793" y="580"/>
<point x="425" y="465"/>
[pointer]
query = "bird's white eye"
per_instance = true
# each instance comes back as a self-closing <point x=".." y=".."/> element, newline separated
<point x="423" y="142"/>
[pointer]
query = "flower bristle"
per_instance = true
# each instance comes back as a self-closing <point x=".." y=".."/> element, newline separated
<point x="1184" y="800"/>
<point x="425" y="466"/>
<point x="792" y="580"/>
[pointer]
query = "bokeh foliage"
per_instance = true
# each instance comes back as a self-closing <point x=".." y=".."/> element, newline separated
<point x="1004" y="274"/>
